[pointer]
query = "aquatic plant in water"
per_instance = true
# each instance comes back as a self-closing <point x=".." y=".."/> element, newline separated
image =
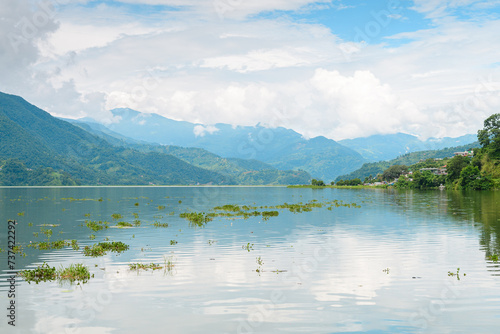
<point x="142" y="266"/>
<point x="457" y="274"/>
<point x="102" y="248"/>
<point x="43" y="273"/>
<point x="58" y="244"/>
<point x="493" y="257"/>
<point x="75" y="272"/>
<point x="248" y="247"/>
<point x="124" y="224"/>
<point x="96" y="225"/>
<point x="196" y="218"/>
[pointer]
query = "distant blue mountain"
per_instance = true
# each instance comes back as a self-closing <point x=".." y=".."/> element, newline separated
<point x="282" y="148"/>
<point x="387" y="147"/>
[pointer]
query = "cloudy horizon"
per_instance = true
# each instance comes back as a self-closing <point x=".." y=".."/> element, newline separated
<point x="340" y="69"/>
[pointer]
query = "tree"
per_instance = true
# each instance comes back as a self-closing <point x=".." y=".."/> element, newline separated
<point x="394" y="172"/>
<point x="455" y="166"/>
<point x="318" y="183"/>
<point x="490" y="135"/>
<point x="471" y="178"/>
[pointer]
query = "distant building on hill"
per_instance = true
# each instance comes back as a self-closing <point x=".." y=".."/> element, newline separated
<point x="435" y="171"/>
<point x="468" y="153"/>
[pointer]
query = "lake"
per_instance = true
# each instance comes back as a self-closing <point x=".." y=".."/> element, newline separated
<point x="361" y="261"/>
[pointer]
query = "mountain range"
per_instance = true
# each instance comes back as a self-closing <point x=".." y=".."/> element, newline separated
<point x="387" y="147"/>
<point x="279" y="147"/>
<point x="39" y="149"/>
<point x="142" y="148"/>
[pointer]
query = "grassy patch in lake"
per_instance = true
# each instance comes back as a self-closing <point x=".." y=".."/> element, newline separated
<point x="96" y="225"/>
<point x="142" y="266"/>
<point x="124" y="224"/>
<point x="58" y="244"/>
<point x="102" y="248"/>
<point x="196" y="218"/>
<point x="44" y="273"/>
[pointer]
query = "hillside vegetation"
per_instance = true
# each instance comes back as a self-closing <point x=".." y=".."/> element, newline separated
<point x="478" y="172"/>
<point x="372" y="169"/>
<point x="38" y="149"/>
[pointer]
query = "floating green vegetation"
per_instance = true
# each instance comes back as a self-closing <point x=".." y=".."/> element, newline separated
<point x="30" y="224"/>
<point x="493" y="257"/>
<point x="168" y="263"/>
<point x="158" y="224"/>
<point x="247" y="211"/>
<point x="35" y="234"/>
<point x="92" y="236"/>
<point x="248" y="247"/>
<point x="58" y="244"/>
<point x="260" y="263"/>
<point x="74" y="273"/>
<point x="211" y="242"/>
<point x="267" y="214"/>
<point x="50" y="225"/>
<point x="96" y="225"/>
<point x="136" y="215"/>
<point x="20" y="214"/>
<point x="230" y="207"/>
<point x="116" y="216"/>
<point x="196" y="218"/>
<point x="44" y="273"/>
<point x="180" y="202"/>
<point x="74" y="245"/>
<point x="71" y="199"/>
<point x="87" y="215"/>
<point x="137" y="222"/>
<point x="47" y="232"/>
<point x="136" y="203"/>
<point x="386" y="270"/>
<point x="278" y="271"/>
<point x="124" y="224"/>
<point x="173" y="242"/>
<point x="457" y="274"/>
<point x="161" y="207"/>
<point x="142" y="266"/>
<point x="102" y="248"/>
<point x="18" y="250"/>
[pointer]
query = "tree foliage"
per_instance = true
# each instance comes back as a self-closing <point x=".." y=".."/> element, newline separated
<point x="489" y="136"/>
<point x="394" y="172"/>
<point x="455" y="166"/>
<point x="318" y="183"/>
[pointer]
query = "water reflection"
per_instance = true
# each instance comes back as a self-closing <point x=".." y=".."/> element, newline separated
<point x="379" y="268"/>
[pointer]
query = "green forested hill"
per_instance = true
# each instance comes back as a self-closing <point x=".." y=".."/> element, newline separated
<point x="37" y="141"/>
<point x="242" y="171"/>
<point x="374" y="168"/>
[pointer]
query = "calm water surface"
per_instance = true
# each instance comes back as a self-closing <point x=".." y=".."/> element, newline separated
<point x="379" y="268"/>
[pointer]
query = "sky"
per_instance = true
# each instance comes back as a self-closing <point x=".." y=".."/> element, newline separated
<point x="340" y="68"/>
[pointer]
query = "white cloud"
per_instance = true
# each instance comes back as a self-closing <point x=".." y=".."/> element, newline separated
<point x="191" y="65"/>
<point x="201" y="131"/>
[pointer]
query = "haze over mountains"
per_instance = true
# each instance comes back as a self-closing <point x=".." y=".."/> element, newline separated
<point x="141" y="148"/>
<point x="50" y="151"/>
<point x="279" y="147"/>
